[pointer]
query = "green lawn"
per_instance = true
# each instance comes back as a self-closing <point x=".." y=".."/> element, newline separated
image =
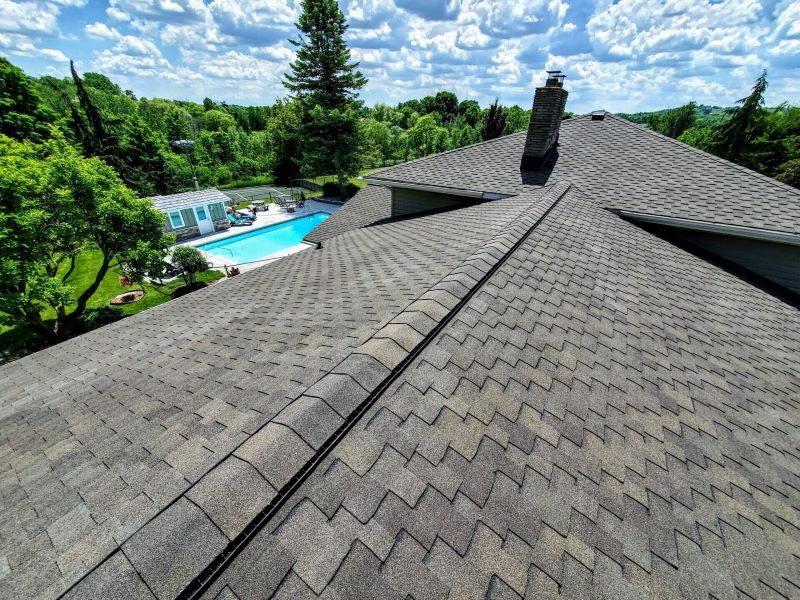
<point x="18" y="339"/>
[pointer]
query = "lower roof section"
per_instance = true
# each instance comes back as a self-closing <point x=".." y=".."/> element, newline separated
<point x="132" y="424"/>
<point x="608" y="416"/>
<point x="603" y="415"/>
<point x="369" y="206"/>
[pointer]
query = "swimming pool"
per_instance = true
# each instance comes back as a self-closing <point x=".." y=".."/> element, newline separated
<point x="255" y="245"/>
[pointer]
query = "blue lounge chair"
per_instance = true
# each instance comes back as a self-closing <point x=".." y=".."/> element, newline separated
<point x="238" y="222"/>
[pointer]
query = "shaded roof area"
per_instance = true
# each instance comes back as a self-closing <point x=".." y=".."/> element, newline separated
<point x="189" y="199"/>
<point x="370" y="205"/>
<point x="608" y="416"/>
<point x="623" y="166"/>
<point x="102" y="433"/>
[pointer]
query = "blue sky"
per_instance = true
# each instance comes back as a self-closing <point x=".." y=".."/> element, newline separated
<point x="622" y="55"/>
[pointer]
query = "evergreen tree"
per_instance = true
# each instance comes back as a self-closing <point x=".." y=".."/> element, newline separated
<point x="92" y="130"/>
<point x="326" y="83"/>
<point x="495" y="122"/>
<point x="744" y="124"/>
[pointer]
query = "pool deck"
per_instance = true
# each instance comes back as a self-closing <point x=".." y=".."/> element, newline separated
<point x="265" y="219"/>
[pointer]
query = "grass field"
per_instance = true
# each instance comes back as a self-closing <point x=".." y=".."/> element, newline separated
<point x="17" y="340"/>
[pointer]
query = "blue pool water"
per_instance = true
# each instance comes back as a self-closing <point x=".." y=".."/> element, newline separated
<point x="254" y="245"/>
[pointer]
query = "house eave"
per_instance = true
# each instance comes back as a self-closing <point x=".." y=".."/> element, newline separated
<point x="436" y="189"/>
<point x="754" y="233"/>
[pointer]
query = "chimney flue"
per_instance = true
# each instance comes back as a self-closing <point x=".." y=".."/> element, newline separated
<point x="548" y="107"/>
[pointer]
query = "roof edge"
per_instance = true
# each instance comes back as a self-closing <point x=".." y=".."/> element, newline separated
<point x="766" y="235"/>
<point x="709" y="155"/>
<point x="437" y="189"/>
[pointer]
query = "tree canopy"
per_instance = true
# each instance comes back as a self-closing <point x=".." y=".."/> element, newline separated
<point x="22" y="113"/>
<point x="763" y="139"/>
<point x="54" y="203"/>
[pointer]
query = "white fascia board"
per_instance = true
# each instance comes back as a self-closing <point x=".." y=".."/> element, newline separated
<point x="436" y="189"/>
<point x="754" y="233"/>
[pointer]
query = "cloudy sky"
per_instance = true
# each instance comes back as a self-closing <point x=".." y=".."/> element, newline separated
<point x="621" y="55"/>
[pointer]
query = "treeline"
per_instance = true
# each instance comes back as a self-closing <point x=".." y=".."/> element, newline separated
<point x="764" y="139"/>
<point x="433" y="124"/>
<point x="232" y="144"/>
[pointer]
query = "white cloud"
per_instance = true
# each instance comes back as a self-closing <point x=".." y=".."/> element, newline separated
<point x="623" y="54"/>
<point x="101" y="31"/>
<point x="28" y="17"/>
<point x="511" y="18"/>
<point x="136" y="46"/>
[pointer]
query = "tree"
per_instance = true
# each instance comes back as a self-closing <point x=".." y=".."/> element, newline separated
<point x="517" y="119"/>
<point x="189" y="260"/>
<point x="444" y="103"/>
<point x="283" y="131"/>
<point x="217" y="120"/>
<point x="144" y="260"/>
<point x="325" y="82"/>
<point x="789" y="172"/>
<point x="744" y="123"/>
<point x="90" y="127"/>
<point x="145" y="168"/>
<point x="470" y="110"/>
<point x="427" y="136"/>
<point x="23" y="116"/>
<point x="54" y="204"/>
<point x="674" y="121"/>
<point x="378" y="141"/>
<point x="495" y="122"/>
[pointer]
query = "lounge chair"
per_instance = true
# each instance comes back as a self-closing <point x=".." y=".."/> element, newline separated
<point x="238" y="222"/>
<point x="285" y="202"/>
<point x="244" y="216"/>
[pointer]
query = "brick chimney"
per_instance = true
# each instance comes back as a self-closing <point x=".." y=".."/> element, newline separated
<point x="548" y="107"/>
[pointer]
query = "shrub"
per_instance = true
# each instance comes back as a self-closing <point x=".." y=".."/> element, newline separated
<point x="330" y="189"/>
<point x="789" y="172"/>
<point x="189" y="261"/>
<point x="93" y="318"/>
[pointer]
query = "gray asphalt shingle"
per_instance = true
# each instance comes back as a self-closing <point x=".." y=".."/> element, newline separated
<point x="113" y="426"/>
<point x="619" y="427"/>
<point x="189" y="199"/>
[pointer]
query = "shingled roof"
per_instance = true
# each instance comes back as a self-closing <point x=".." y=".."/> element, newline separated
<point x="529" y="397"/>
<point x="189" y="199"/>
<point x="622" y="166"/>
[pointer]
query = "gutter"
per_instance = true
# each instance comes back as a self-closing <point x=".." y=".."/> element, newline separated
<point x="754" y="233"/>
<point x="436" y="189"/>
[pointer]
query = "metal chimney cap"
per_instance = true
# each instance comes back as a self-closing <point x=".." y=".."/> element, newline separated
<point x="555" y="78"/>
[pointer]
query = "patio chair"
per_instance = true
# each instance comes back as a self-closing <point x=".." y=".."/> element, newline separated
<point x="285" y="202"/>
<point x="238" y="222"/>
<point x="301" y="202"/>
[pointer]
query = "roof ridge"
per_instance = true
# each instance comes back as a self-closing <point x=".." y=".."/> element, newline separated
<point x="713" y="157"/>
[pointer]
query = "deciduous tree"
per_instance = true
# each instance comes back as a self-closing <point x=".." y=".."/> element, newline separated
<point x="54" y="203"/>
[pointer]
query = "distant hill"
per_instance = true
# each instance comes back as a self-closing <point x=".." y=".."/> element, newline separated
<point x="704" y="114"/>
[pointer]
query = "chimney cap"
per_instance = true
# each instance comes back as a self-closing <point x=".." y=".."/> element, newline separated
<point x="555" y="78"/>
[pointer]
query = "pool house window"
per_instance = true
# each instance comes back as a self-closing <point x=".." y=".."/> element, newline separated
<point x="176" y="219"/>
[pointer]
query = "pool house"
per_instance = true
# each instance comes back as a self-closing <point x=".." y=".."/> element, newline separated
<point x="191" y="214"/>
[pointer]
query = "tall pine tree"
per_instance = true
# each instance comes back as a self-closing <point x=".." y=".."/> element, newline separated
<point x="744" y="125"/>
<point x="326" y="82"/>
